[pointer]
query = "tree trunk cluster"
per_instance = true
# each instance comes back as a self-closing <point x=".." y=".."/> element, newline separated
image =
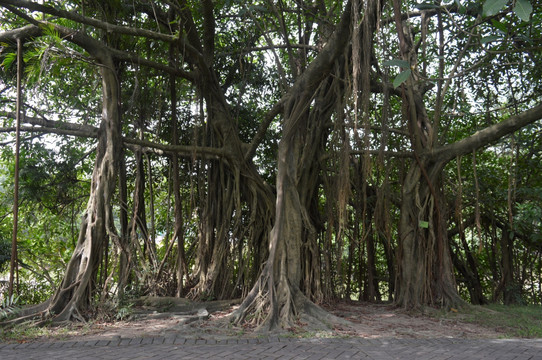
<point x="327" y="223"/>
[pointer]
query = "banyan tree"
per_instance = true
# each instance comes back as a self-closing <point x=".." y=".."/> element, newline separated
<point x="305" y="145"/>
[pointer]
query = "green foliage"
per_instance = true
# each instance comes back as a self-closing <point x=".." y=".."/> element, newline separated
<point x="397" y="62"/>
<point x="401" y="78"/>
<point x="124" y="312"/>
<point x="34" y="289"/>
<point x="512" y="321"/>
<point x="523" y="9"/>
<point x="491" y="7"/>
<point x="9" y="58"/>
<point x="5" y="253"/>
<point x="528" y="220"/>
<point x="9" y="307"/>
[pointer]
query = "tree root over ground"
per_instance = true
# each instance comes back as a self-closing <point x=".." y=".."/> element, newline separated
<point x="161" y="317"/>
<point x="280" y="308"/>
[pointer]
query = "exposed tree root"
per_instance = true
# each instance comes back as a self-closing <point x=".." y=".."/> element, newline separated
<point x="281" y="307"/>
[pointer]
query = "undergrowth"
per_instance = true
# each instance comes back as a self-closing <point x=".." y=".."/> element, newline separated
<point x="524" y="321"/>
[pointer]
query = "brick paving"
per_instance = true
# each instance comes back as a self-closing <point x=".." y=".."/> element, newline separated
<point x="173" y="347"/>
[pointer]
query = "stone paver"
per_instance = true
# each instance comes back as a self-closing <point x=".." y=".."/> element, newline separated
<point x="172" y="347"/>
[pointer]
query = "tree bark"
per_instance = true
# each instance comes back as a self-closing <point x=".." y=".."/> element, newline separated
<point x="424" y="265"/>
<point x="77" y="287"/>
<point x="75" y="292"/>
<point x="278" y="289"/>
<point x="425" y="273"/>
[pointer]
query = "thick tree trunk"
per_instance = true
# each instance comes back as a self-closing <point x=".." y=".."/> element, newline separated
<point x="277" y="296"/>
<point x="286" y="238"/>
<point x="280" y="281"/>
<point x="76" y="289"/>
<point x="424" y="269"/>
<point x="425" y="273"/>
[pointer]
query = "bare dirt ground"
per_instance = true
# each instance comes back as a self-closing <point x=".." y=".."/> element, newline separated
<point x="180" y="317"/>
<point x="375" y="321"/>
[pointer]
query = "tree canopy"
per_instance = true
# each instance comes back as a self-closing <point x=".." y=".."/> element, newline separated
<point x="288" y="153"/>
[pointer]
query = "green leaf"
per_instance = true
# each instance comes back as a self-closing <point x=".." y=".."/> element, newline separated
<point x="523" y="9"/>
<point x="491" y="7"/>
<point x="489" y="39"/>
<point x="423" y="224"/>
<point x="401" y="78"/>
<point x="499" y="26"/>
<point x="8" y="60"/>
<point x="397" y="62"/>
<point x="463" y="9"/>
<point x="426" y="6"/>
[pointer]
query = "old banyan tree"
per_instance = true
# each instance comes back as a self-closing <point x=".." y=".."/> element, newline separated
<point x="287" y="153"/>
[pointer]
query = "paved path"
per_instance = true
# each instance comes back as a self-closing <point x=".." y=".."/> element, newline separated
<point x="276" y="348"/>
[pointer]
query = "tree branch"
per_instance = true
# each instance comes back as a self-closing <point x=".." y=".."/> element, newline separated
<point x="88" y="130"/>
<point x="79" y="130"/>
<point x="92" y="46"/>
<point x="43" y="130"/>
<point x="24" y="32"/>
<point x="181" y="150"/>
<point x="486" y="136"/>
<point x="208" y="31"/>
<point x="264" y="125"/>
<point x="89" y="21"/>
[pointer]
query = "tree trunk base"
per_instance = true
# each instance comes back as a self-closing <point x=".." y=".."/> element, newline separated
<point x="282" y="308"/>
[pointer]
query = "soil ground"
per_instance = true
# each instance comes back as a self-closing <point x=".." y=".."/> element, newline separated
<point x="170" y="316"/>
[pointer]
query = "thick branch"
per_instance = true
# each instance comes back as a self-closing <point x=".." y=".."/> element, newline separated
<point x="89" y="21"/>
<point x="208" y="31"/>
<point x="319" y="68"/>
<point x="44" y="130"/>
<point x="486" y="136"/>
<point x="85" y="130"/>
<point x="181" y="150"/>
<point x="24" y="32"/>
<point x="190" y="27"/>
<point x="93" y="46"/>
<point x="264" y="125"/>
<point x="71" y="129"/>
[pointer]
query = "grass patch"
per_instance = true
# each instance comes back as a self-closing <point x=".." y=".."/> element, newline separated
<point x="29" y="332"/>
<point x="524" y="321"/>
